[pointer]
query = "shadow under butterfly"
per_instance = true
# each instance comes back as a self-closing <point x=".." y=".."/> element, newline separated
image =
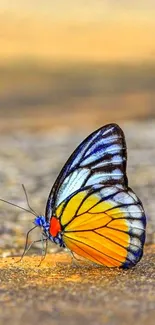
<point x="90" y="209"/>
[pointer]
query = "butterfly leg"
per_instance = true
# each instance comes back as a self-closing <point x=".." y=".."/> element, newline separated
<point x="74" y="257"/>
<point x="44" y="250"/>
<point x="28" y="248"/>
<point x="26" y="244"/>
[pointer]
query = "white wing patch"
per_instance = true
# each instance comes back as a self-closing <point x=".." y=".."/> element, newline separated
<point x="82" y="151"/>
<point x="99" y="159"/>
<point x="71" y="184"/>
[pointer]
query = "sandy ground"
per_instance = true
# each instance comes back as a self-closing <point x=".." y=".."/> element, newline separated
<point x="63" y="291"/>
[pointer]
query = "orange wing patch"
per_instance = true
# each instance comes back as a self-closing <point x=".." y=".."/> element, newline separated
<point x="123" y="239"/>
<point x="120" y="224"/>
<point x="104" y="231"/>
<point x="90" y="252"/>
<point x="89" y="235"/>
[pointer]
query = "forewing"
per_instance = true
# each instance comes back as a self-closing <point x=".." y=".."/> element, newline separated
<point x="105" y="225"/>
<point x="99" y="159"/>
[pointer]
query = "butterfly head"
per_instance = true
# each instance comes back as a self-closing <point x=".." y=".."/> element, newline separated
<point x="51" y="229"/>
<point x="40" y="221"/>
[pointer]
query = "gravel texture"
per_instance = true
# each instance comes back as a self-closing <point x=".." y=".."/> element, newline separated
<point x="35" y="159"/>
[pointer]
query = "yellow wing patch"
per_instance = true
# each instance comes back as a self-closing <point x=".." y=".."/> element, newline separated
<point x="59" y="209"/>
<point x="71" y="207"/>
<point x="78" y="205"/>
<point x="91" y="201"/>
<point x="88" y="222"/>
<point x="88" y="218"/>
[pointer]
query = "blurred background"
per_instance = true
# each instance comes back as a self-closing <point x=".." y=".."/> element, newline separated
<point x="67" y="68"/>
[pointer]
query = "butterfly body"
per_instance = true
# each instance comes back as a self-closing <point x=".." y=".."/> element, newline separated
<point x="90" y="209"/>
<point x="51" y="232"/>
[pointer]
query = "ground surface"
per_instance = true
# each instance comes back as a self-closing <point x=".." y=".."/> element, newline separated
<point x="62" y="291"/>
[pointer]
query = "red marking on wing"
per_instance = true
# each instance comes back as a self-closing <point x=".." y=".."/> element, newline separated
<point x="55" y="226"/>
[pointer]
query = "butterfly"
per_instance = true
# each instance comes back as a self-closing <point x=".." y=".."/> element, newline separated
<point x="90" y="209"/>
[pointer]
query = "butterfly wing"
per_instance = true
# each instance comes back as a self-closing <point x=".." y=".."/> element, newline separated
<point x="101" y="218"/>
<point x="104" y="224"/>
<point x="99" y="159"/>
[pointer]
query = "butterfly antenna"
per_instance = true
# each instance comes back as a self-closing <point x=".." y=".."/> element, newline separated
<point x="27" y="200"/>
<point x="18" y="206"/>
